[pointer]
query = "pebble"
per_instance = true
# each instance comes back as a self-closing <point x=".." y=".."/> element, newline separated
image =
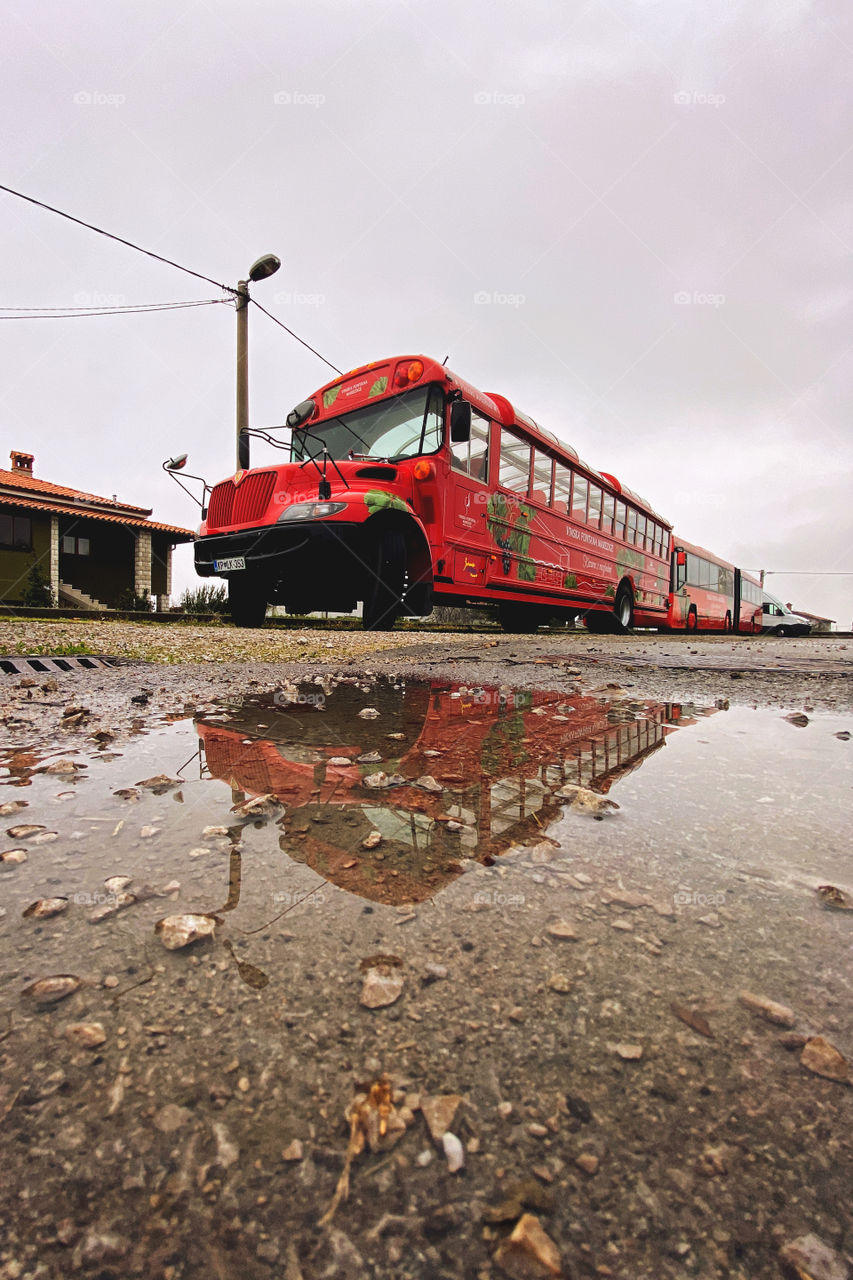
<point x="383" y="985"/>
<point x="176" y="932"/>
<point x="529" y="1252"/>
<point x="562" y="929"/>
<point x="171" y="1117"/>
<point x="823" y="1059"/>
<point x="560" y="982"/>
<point x="50" y="990"/>
<point x="588" y="1162"/>
<point x="629" y="1052"/>
<point x="809" y="1256"/>
<point x="454" y="1152"/>
<point x="293" y="1151"/>
<point x="438" y="1112"/>
<point x="87" y="1035"/>
<point x="779" y="1014"/>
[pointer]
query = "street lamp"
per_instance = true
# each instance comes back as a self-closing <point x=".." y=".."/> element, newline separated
<point x="265" y="266"/>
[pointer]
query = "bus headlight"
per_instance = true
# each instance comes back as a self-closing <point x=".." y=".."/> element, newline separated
<point x="311" y="510"/>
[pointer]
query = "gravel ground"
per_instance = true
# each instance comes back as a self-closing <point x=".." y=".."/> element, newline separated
<point x="572" y="1004"/>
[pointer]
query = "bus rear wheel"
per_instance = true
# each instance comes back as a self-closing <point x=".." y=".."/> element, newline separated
<point x="383" y="601"/>
<point x="624" y="609"/>
<point x="246" y="602"/>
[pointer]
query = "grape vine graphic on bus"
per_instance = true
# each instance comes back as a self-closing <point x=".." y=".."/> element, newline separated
<point x="378" y="499"/>
<point x="508" y="523"/>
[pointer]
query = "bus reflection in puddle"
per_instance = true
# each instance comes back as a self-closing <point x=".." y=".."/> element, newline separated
<point x="468" y="772"/>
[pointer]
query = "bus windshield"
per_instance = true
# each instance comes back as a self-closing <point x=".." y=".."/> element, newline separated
<point x="401" y="427"/>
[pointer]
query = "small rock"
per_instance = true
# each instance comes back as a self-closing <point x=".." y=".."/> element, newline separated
<point x="454" y="1152"/>
<point x="176" y="932"/>
<point x="560" y="982"/>
<point x="588" y="1162"/>
<point x="226" y="1151"/>
<point x="44" y="908"/>
<point x="339" y="761"/>
<point x="383" y="982"/>
<point x="809" y="1258"/>
<point x="25" y="831"/>
<point x="797" y="718"/>
<point x="537" y="1130"/>
<point x="629" y="1052"/>
<point x="368" y="713"/>
<point x="50" y="990"/>
<point x="585" y="801"/>
<point x="562" y="929"/>
<point x="12" y="856"/>
<point x="824" y="1059"/>
<point x="214" y="833"/>
<point x="438" y="1112"/>
<point x="148" y="832"/>
<point x="64" y="768"/>
<point x="529" y="1253"/>
<point x="377" y="781"/>
<point x="159" y="784"/>
<point x="433" y="973"/>
<point x="87" y="1035"/>
<point x="504" y="1110"/>
<point x="779" y="1014"/>
<point x="369" y="757"/>
<point x="835" y="898"/>
<point x="293" y="1152"/>
<point x="115" y="884"/>
<point x="428" y="783"/>
<point x="372" y="841"/>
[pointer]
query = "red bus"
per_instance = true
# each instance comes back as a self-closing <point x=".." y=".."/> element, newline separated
<point x="406" y="486"/>
<point x="709" y="594"/>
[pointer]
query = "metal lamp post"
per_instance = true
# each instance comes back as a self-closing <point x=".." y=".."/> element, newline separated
<point x="265" y="266"/>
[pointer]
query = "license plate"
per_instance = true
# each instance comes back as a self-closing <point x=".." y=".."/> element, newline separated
<point x="229" y="563"/>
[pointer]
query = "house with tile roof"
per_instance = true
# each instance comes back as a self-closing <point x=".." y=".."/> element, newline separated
<point x="91" y="550"/>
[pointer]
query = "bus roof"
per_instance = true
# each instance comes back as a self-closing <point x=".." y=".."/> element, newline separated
<point x="493" y="406"/>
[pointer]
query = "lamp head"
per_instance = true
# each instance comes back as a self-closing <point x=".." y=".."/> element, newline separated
<point x="265" y="266"/>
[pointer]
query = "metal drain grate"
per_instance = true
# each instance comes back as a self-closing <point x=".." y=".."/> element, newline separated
<point x="15" y="665"/>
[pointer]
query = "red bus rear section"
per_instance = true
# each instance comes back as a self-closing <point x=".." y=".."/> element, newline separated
<point x="407" y="486"/>
<point x="709" y="594"/>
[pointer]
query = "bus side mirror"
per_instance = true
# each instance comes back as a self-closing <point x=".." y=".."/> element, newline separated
<point x="460" y="422"/>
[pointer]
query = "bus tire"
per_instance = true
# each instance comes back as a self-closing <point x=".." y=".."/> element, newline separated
<point x="246" y="602"/>
<point x="624" y="608"/>
<point x="692" y="620"/>
<point x="383" y="600"/>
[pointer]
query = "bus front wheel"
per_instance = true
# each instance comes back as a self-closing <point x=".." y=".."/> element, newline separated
<point x="246" y="602"/>
<point x="383" y="600"/>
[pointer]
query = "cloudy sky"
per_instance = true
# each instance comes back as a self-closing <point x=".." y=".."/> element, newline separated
<point x="631" y="217"/>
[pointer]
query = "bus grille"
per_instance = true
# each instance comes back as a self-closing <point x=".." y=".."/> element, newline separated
<point x="240" y="504"/>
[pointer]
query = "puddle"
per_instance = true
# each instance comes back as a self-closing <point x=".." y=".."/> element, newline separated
<point x="536" y="942"/>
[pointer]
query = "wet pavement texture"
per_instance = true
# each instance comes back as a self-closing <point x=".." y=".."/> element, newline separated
<point x="600" y="940"/>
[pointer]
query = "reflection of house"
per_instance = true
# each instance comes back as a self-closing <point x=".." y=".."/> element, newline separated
<point x="819" y="624"/>
<point x="92" y="550"/>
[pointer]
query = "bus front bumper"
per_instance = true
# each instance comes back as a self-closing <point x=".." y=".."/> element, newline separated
<point x="280" y="550"/>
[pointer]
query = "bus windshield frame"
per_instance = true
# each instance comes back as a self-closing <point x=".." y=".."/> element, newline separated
<point x="390" y="430"/>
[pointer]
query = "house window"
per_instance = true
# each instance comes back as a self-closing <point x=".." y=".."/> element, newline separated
<point x="72" y="546"/>
<point x="16" y="533"/>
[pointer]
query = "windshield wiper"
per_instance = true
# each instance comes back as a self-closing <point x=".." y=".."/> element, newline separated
<point x="325" y="489"/>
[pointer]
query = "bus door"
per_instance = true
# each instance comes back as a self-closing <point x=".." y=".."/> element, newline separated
<point x="465" y="505"/>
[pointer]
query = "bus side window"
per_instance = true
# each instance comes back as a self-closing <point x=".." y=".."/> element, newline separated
<point x="619" y="523"/>
<point x="631" y="535"/>
<point x="562" y="489"/>
<point x="515" y="463"/>
<point x="579" y="498"/>
<point x="609" y="508"/>
<point x="594" y="517"/>
<point x="472" y="456"/>
<point x="541" y="487"/>
<point x="640" y="536"/>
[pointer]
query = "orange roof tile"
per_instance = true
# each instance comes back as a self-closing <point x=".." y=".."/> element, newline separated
<point x="91" y="513"/>
<point x="32" y="484"/>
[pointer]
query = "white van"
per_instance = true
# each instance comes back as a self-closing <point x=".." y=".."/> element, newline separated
<point x="778" y="619"/>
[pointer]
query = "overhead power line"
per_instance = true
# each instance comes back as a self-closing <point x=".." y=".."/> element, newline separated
<point x="282" y="325"/>
<point x="82" y="313"/>
<point x="109" y="235"/>
<point x="169" y="263"/>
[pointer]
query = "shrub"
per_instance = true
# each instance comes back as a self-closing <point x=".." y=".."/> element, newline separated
<point x="38" y="593"/>
<point x="205" y="599"/>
